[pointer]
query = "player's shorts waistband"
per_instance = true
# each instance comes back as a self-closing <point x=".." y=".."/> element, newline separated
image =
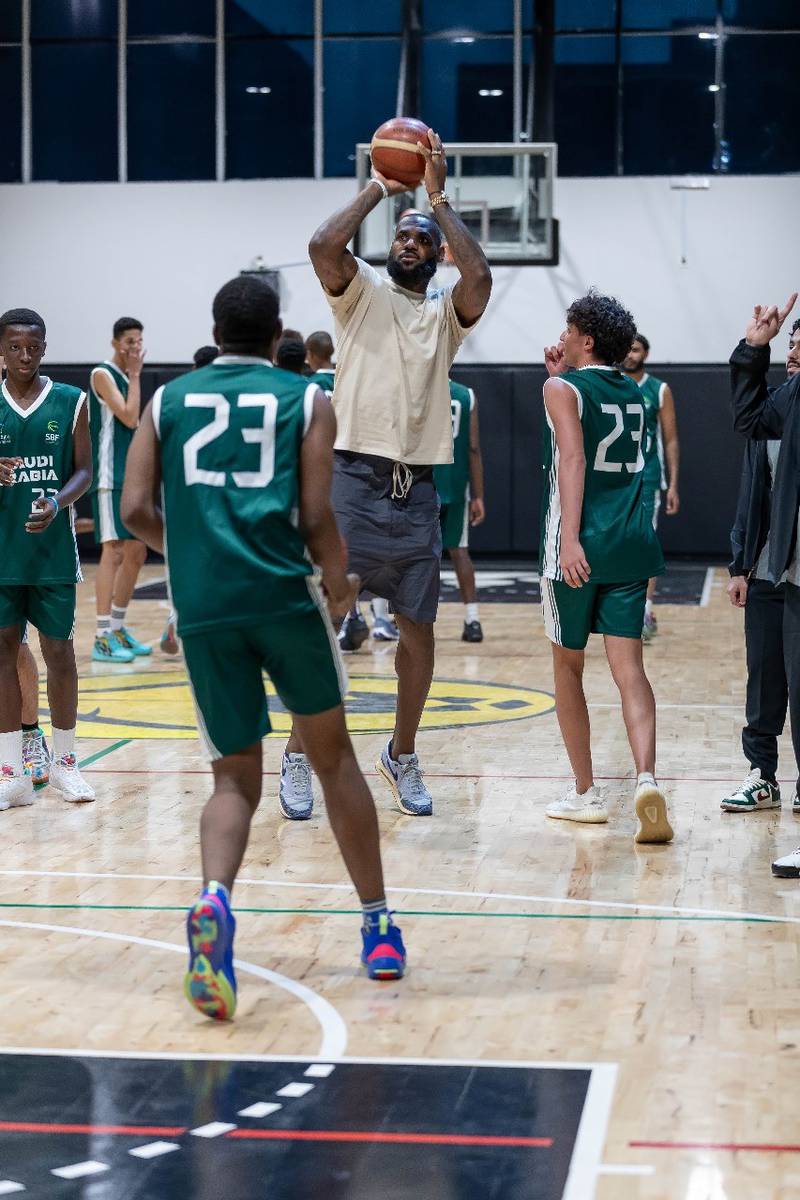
<point x="383" y="467"/>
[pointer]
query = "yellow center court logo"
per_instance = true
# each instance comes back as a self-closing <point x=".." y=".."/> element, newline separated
<point x="159" y="705"/>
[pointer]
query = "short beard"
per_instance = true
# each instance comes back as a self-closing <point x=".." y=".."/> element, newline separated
<point x="411" y="277"/>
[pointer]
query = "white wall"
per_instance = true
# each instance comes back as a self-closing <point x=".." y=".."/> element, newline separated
<point x="84" y="254"/>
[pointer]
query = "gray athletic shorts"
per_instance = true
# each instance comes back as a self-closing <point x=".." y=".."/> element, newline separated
<point x="394" y="545"/>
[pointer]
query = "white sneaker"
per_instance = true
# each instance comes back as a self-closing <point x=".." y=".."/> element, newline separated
<point x="296" y="794"/>
<point x="589" y="809"/>
<point x="67" y="779"/>
<point x="788" y="867"/>
<point x="651" y="811"/>
<point x="16" y="791"/>
<point x="754" y="794"/>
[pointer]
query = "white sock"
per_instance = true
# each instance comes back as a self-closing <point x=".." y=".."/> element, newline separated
<point x="117" y="617"/>
<point x="63" y="743"/>
<point x="645" y="777"/>
<point x="648" y="608"/>
<point x="380" y="609"/>
<point x="11" y="750"/>
<point x="471" y="613"/>
<point x="104" y="626"/>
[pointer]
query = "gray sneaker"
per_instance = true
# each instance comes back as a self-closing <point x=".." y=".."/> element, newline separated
<point x="296" y="793"/>
<point x="404" y="777"/>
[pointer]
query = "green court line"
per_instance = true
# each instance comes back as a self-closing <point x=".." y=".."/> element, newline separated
<point x="102" y="753"/>
<point x="412" y="912"/>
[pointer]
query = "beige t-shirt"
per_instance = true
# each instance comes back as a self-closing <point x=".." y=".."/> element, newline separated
<point x="394" y="350"/>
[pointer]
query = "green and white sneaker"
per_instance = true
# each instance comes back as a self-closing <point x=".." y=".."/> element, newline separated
<point x="110" y="649"/>
<point x="752" y="795"/>
<point x="127" y="639"/>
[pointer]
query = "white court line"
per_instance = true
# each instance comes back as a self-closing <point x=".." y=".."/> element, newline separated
<point x="737" y="708"/>
<point x="626" y="906"/>
<point x="334" y="1030"/>
<point x="213" y="1129"/>
<point x="624" y="1169"/>
<point x="294" y="1091"/>
<point x="259" y="1110"/>
<point x="154" y="1149"/>
<point x="708" y="583"/>
<point x="590" y="1139"/>
<point x="79" y="1170"/>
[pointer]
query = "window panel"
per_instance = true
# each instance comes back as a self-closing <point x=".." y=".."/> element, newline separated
<point x="467" y="89"/>
<point x="468" y="15"/>
<point x="585" y="14"/>
<point x="585" y="85"/>
<point x="257" y="18"/>
<point x="360" y="94"/>
<point x="11" y="107"/>
<point x="151" y="18"/>
<point x="171" y="111"/>
<point x="74" y="97"/>
<point x="762" y="14"/>
<point x="667" y="75"/>
<point x="10" y="20"/>
<point x="667" y="14"/>
<point x="51" y="19"/>
<point x="761" y="102"/>
<point x="270" y="133"/>
<point x="353" y="16"/>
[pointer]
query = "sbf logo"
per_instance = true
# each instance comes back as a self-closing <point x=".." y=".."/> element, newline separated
<point x="52" y="434"/>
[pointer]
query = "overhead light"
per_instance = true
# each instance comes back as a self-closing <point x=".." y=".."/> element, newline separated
<point x="490" y="92"/>
<point x="463" y="41"/>
<point x="714" y="87"/>
<point x="258" y="91"/>
<point x="707" y="36"/>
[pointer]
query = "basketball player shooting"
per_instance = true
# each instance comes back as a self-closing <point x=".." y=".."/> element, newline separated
<point x="396" y="341"/>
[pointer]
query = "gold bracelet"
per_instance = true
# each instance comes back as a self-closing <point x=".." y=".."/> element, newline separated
<point x="439" y="198"/>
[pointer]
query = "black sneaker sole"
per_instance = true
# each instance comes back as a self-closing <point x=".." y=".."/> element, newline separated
<point x="785" y="872"/>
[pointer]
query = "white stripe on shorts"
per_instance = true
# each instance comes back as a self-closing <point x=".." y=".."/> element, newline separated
<point x="552" y="625"/>
<point x="315" y="591"/>
<point x="105" y="507"/>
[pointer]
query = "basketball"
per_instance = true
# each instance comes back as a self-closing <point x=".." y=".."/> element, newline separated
<point x="394" y="153"/>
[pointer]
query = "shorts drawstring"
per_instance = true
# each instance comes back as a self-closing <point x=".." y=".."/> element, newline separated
<point x="402" y="481"/>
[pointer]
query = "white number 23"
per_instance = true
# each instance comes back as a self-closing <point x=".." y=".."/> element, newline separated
<point x="262" y="435"/>
<point x="601" y="463"/>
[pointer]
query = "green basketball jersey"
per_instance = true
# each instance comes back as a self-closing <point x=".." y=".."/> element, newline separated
<point x="42" y="436"/>
<point x="452" y="479"/>
<point x="323" y="379"/>
<point x="231" y="435"/>
<point x="616" y="532"/>
<point x="110" y="438"/>
<point x="653" y="395"/>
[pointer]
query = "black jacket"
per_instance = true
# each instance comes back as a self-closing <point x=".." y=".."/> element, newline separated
<point x="751" y="526"/>
<point x="760" y="414"/>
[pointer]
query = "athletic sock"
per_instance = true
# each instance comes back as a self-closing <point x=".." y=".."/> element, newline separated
<point x="648" y="608"/>
<point x="380" y="609"/>
<point x="63" y="743"/>
<point x="104" y="626"/>
<point x="218" y="889"/>
<point x="117" y="618"/>
<point x="472" y="613"/>
<point x="11" y="750"/>
<point x="373" y="911"/>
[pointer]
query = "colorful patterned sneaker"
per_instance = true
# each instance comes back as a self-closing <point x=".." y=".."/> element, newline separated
<point x="296" y="794"/>
<point x="126" y="639"/>
<point x="385" y="630"/>
<point x="404" y="777"/>
<point x="651" y="812"/>
<point x="588" y="809"/>
<point x="650" y="627"/>
<point x="16" y="791"/>
<point x="787" y="867"/>
<point x="109" y="649"/>
<point x="36" y="757"/>
<point x="210" y="983"/>
<point x="384" y="954"/>
<point x="754" y="794"/>
<point x="67" y="779"/>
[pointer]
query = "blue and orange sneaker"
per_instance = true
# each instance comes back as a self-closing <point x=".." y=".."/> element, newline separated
<point x="210" y="983"/>
<point x="384" y="954"/>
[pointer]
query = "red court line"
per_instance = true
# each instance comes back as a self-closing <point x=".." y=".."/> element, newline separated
<point x="127" y="1130"/>
<point x="764" y="1147"/>
<point x="435" y="775"/>
<point x="407" y="1139"/>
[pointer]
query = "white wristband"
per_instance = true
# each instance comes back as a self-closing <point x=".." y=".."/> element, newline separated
<point x="382" y="186"/>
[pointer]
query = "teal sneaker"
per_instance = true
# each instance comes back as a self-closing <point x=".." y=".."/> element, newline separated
<point x="126" y="639"/>
<point x="110" y="649"/>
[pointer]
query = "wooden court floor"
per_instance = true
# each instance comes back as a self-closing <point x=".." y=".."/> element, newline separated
<point x="529" y="940"/>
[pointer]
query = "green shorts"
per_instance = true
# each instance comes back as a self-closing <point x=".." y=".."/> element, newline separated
<point x="50" y="607"/>
<point x="454" y="520"/>
<point x="108" y="525"/>
<point x="571" y="614"/>
<point x="300" y="654"/>
<point x="652" y="503"/>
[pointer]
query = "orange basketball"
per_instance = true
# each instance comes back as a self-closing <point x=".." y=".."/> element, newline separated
<point x="394" y="150"/>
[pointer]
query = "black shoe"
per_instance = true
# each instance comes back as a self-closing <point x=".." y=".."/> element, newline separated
<point x="472" y="632"/>
<point x="353" y="634"/>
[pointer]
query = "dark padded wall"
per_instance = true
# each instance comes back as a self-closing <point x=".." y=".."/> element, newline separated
<point x="510" y="400"/>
